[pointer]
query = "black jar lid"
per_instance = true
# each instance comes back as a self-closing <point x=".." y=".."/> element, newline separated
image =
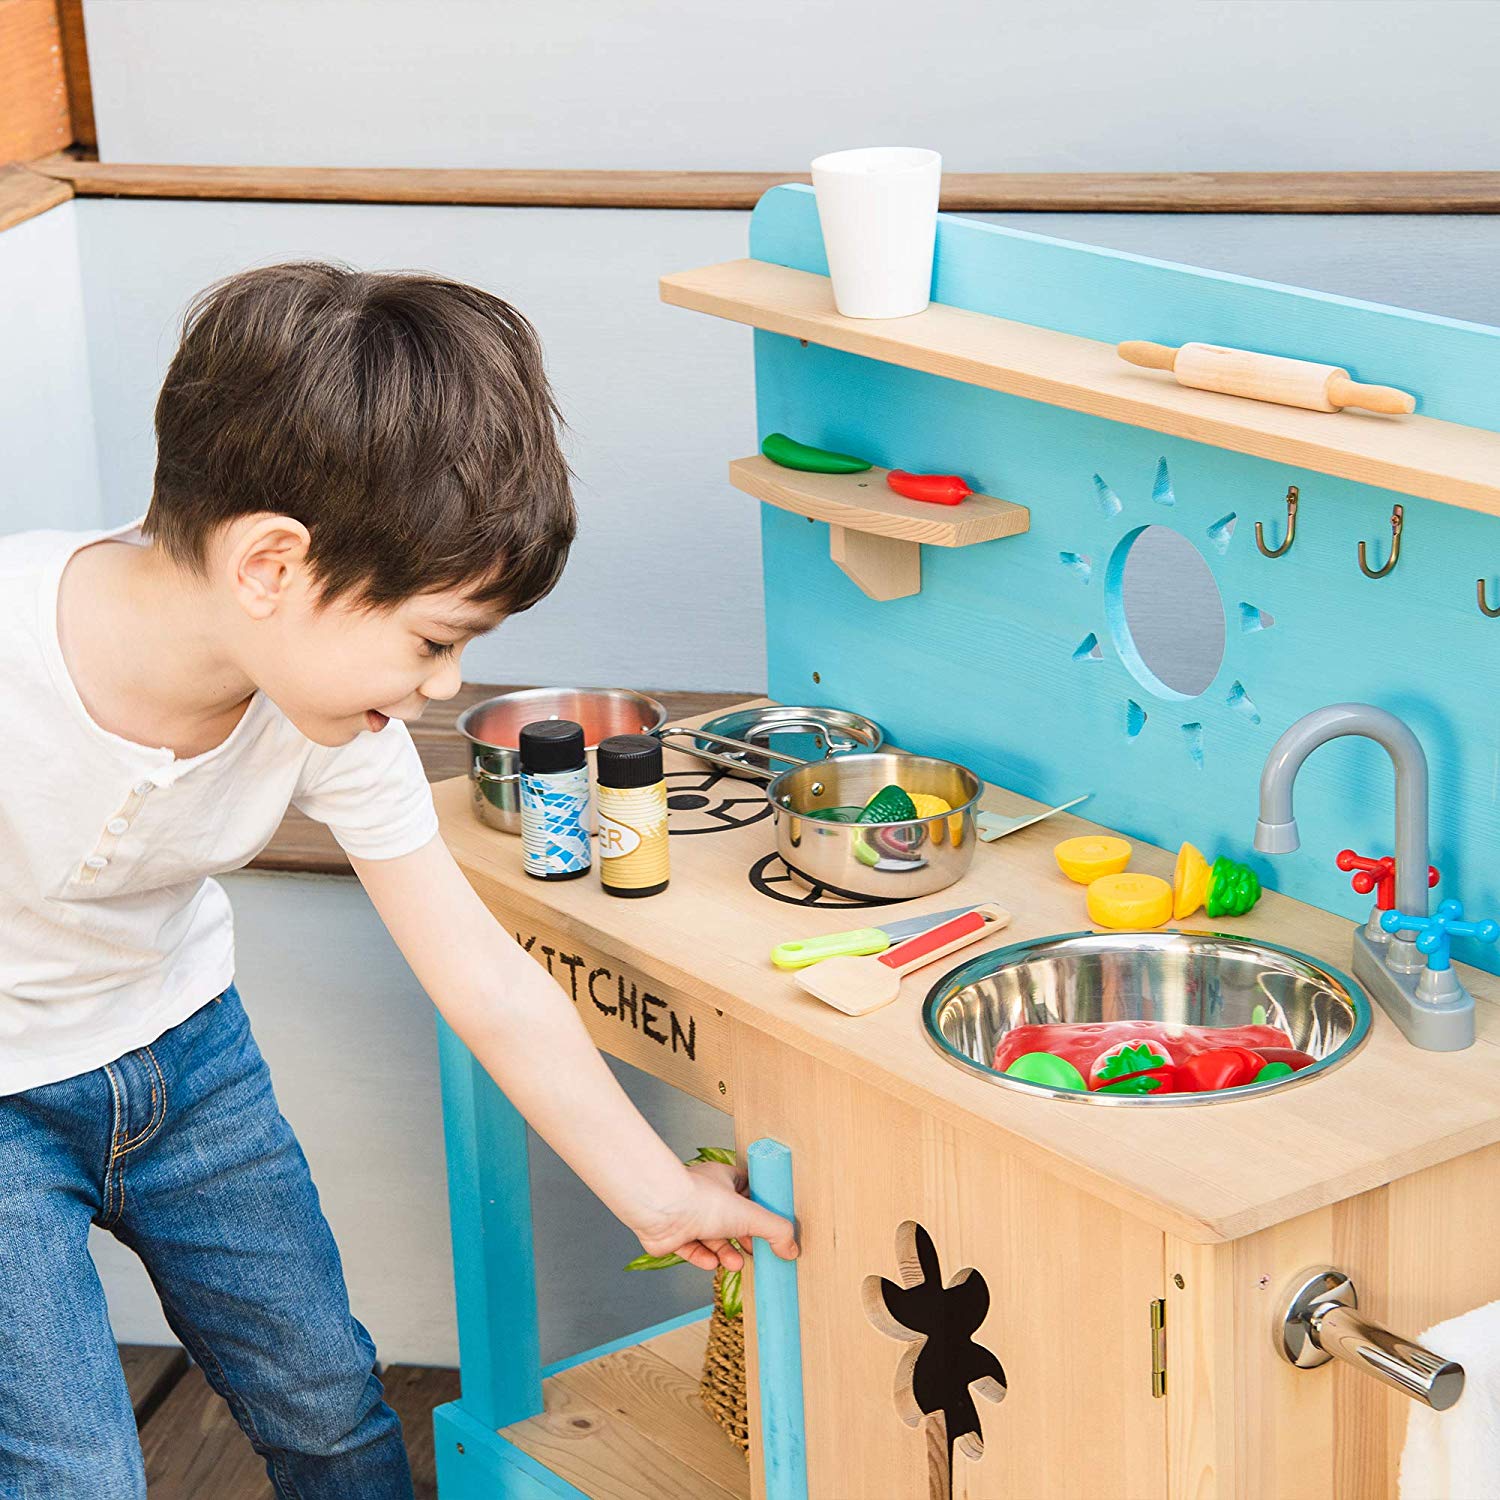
<point x="626" y="760"/>
<point x="551" y="745"/>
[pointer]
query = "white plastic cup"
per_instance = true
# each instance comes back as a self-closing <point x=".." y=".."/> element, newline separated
<point x="878" y="209"/>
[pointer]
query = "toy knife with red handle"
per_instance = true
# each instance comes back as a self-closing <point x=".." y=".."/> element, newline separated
<point x="859" y="985"/>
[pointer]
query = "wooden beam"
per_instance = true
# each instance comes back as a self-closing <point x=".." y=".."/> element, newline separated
<point x="75" y="50"/>
<point x="24" y="194"/>
<point x="963" y="192"/>
<point x="33" y="87"/>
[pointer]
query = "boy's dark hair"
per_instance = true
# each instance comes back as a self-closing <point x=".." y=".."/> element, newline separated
<point x="405" y="420"/>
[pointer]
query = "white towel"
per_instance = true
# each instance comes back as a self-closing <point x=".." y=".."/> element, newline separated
<point x="1455" y="1454"/>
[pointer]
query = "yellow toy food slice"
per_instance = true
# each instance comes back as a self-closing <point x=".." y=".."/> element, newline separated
<point x="1085" y="859"/>
<point x="1130" y="901"/>
<point x="1189" y="882"/>
<point x="929" y="805"/>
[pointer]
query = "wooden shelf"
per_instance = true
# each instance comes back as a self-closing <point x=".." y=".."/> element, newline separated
<point x="876" y="535"/>
<point x="1419" y="456"/>
<point x="629" y="1426"/>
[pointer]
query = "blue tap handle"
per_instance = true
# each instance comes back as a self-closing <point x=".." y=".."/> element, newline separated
<point x="1436" y="933"/>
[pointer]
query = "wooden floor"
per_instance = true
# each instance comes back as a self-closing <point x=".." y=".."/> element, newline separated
<point x="625" y="1426"/>
<point x="194" y="1450"/>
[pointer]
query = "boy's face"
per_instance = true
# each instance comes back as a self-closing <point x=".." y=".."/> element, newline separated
<point x="348" y="669"/>
<point x="335" y="668"/>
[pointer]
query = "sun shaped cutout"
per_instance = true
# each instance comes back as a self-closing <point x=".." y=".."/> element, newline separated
<point x="1203" y="666"/>
<point x="942" y="1368"/>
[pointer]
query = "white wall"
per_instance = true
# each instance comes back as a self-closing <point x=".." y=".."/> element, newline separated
<point x="663" y="588"/>
<point x="1074" y="85"/>
<point x="49" y="472"/>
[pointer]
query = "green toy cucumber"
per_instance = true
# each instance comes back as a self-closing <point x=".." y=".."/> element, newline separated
<point x="790" y="454"/>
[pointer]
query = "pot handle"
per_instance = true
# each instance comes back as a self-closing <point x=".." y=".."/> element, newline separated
<point x="490" y="777"/>
<point x="760" y="773"/>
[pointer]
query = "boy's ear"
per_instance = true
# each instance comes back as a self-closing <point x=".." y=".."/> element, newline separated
<point x="265" y="559"/>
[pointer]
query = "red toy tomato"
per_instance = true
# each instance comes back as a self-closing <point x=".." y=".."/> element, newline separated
<point x="935" y="489"/>
<point x="1223" y="1068"/>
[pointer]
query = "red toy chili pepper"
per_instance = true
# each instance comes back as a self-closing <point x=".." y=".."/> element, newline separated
<point x="1223" y="1068"/>
<point x="935" y="489"/>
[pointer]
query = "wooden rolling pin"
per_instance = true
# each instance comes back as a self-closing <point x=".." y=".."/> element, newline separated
<point x="1265" y="377"/>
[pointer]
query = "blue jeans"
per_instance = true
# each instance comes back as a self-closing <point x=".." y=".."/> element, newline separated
<point x="178" y="1149"/>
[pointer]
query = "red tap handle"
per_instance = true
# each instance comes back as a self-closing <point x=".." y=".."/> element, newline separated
<point x="1378" y="875"/>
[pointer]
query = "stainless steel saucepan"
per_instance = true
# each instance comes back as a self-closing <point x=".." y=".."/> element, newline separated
<point x="493" y="730"/>
<point x="881" y="861"/>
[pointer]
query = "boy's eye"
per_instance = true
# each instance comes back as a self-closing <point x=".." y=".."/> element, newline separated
<point x="437" y="648"/>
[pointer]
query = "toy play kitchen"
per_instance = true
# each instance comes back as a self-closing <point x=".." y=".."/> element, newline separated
<point x="1153" y="1187"/>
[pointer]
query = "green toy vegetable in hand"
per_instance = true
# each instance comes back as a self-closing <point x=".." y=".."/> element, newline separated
<point x="731" y="1292"/>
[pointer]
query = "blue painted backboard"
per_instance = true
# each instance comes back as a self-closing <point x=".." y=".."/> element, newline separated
<point x="1014" y="660"/>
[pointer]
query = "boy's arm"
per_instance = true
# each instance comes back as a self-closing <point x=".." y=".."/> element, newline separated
<point x="527" y="1036"/>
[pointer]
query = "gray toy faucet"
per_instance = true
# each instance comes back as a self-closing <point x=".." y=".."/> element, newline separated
<point x="1423" y="997"/>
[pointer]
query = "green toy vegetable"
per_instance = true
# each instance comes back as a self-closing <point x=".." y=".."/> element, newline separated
<point x="1232" y="889"/>
<point x="889" y="805"/>
<point x="1048" y="1069"/>
<point x="1274" y="1070"/>
<point x="731" y="1294"/>
<point x="790" y="454"/>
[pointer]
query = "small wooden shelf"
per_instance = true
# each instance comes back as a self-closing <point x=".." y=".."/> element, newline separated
<point x="1420" y="456"/>
<point x="629" y="1425"/>
<point x="876" y="535"/>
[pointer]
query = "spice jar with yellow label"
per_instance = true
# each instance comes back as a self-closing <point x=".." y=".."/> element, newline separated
<point x="632" y="815"/>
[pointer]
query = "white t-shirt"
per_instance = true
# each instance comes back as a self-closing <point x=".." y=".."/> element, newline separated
<point x="111" y="931"/>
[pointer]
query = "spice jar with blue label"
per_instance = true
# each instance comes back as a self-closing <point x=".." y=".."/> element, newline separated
<point x="555" y="841"/>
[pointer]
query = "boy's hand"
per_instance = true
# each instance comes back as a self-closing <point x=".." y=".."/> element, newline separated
<point x="713" y="1212"/>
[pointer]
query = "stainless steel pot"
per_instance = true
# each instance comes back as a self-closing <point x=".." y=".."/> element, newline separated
<point x="493" y="730"/>
<point x="883" y="861"/>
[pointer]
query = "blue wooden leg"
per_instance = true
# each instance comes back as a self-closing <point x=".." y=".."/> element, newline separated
<point x="494" y="1265"/>
<point x="778" y="1333"/>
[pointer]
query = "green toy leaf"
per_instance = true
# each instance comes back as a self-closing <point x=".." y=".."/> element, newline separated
<point x="731" y="1295"/>
<point x="719" y="1154"/>
<point x="1132" y="1057"/>
<point x="655" y="1262"/>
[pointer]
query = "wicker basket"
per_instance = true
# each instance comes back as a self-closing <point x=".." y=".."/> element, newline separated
<point x="723" y="1387"/>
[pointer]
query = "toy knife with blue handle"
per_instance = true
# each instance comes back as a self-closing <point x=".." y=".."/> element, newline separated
<point x="861" y="941"/>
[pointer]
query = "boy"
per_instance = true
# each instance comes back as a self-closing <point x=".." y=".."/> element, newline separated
<point x="356" y="475"/>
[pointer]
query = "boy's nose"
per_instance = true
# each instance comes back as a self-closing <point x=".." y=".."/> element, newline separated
<point x="444" y="683"/>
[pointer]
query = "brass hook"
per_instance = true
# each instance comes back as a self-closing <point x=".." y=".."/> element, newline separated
<point x="1291" y="527"/>
<point x="1484" y="603"/>
<point x="1398" y="515"/>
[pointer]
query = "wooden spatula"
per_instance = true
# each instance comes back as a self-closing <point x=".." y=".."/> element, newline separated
<point x="857" y="986"/>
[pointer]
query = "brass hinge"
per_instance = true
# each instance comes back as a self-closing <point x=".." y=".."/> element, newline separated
<point x="1159" y="1347"/>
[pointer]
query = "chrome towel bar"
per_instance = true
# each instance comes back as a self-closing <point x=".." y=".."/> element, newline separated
<point x="1320" y="1323"/>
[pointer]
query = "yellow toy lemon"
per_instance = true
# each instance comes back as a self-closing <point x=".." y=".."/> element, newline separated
<point x="1189" y="882"/>
<point x="1130" y="901"/>
<point x="1085" y="859"/>
<point x="929" y="805"/>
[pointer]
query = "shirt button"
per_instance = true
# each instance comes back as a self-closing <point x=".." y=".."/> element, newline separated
<point x="117" y="825"/>
<point x="142" y="787"/>
<point x="96" y="861"/>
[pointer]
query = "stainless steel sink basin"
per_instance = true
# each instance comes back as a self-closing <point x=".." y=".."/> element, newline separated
<point x="1183" y="978"/>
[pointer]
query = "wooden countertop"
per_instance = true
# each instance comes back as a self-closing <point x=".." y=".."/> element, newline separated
<point x="1211" y="1173"/>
